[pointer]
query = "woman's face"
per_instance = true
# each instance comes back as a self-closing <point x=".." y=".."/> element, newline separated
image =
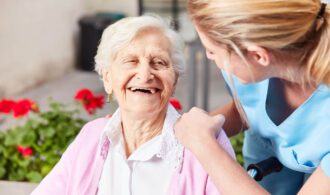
<point x="235" y="65"/>
<point x="142" y="76"/>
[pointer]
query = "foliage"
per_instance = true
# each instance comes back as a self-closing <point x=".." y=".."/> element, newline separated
<point x="29" y="151"/>
<point x="237" y="142"/>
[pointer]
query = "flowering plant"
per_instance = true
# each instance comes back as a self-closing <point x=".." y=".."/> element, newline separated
<point x="30" y="150"/>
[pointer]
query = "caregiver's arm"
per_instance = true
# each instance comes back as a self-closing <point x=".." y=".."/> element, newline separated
<point x="228" y="176"/>
<point x="197" y="131"/>
<point x="231" y="178"/>
<point x="318" y="183"/>
<point x="233" y="124"/>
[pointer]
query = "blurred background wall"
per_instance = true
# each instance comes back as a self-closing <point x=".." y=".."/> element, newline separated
<point x="40" y="41"/>
<point x="38" y="38"/>
<point x="128" y="7"/>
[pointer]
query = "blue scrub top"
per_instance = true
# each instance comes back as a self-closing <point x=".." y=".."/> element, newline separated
<point x="302" y="141"/>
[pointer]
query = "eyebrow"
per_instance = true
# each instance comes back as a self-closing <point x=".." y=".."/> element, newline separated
<point x="127" y="56"/>
<point x="160" y="54"/>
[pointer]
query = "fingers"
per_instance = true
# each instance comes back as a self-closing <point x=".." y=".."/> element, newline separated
<point x="220" y="118"/>
<point x="219" y="121"/>
<point x="197" y="127"/>
<point x="199" y="117"/>
<point x="198" y="110"/>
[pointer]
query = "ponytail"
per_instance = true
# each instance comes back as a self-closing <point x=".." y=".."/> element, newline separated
<point x="318" y="62"/>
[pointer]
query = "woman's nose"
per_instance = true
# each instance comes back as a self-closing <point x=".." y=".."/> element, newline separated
<point x="144" y="72"/>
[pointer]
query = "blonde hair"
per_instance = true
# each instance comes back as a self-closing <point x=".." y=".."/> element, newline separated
<point x="120" y="34"/>
<point x="279" y="25"/>
<point x="283" y="26"/>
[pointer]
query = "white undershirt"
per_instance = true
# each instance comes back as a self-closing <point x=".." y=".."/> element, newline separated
<point x="148" y="169"/>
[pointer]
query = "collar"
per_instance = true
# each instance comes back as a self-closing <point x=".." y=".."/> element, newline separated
<point x="164" y="146"/>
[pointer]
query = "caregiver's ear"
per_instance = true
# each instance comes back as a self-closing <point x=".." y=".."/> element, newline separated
<point x="106" y="78"/>
<point x="258" y="54"/>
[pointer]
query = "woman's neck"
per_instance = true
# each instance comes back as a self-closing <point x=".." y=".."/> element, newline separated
<point x="284" y="97"/>
<point x="290" y="69"/>
<point x="136" y="130"/>
<point x="294" y="83"/>
<point x="294" y="94"/>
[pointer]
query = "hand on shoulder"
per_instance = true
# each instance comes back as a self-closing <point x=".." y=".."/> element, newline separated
<point x="196" y="128"/>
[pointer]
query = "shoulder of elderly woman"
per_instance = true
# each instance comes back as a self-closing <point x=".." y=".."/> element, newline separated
<point x="77" y="161"/>
<point x="89" y="138"/>
<point x="93" y="129"/>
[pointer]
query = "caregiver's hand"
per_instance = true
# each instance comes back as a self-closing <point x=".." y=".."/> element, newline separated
<point x="196" y="128"/>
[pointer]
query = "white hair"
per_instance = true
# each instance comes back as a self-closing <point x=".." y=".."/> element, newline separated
<point x="118" y="35"/>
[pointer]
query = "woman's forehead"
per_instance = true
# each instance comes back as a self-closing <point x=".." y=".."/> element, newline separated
<point x="151" y="44"/>
<point x="151" y="51"/>
<point x="151" y="37"/>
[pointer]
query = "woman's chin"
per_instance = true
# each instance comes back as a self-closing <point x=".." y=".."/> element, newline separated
<point x="143" y="104"/>
<point x="144" y="109"/>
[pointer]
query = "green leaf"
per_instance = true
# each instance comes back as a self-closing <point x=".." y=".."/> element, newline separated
<point x="48" y="132"/>
<point x="34" y="177"/>
<point x="240" y="159"/>
<point x="16" y="175"/>
<point x="52" y="158"/>
<point x="24" y="162"/>
<point x="237" y="143"/>
<point x="46" y="169"/>
<point x="29" y="138"/>
<point x="2" y="172"/>
<point x="12" y="139"/>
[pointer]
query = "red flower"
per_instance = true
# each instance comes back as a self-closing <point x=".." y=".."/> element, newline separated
<point x="25" y="151"/>
<point x="99" y="101"/>
<point x="89" y="101"/>
<point x="176" y="104"/>
<point x="83" y="94"/>
<point x="90" y="106"/>
<point x="23" y="107"/>
<point x="6" y="106"/>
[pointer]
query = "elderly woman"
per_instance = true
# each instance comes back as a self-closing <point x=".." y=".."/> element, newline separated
<point x="135" y="151"/>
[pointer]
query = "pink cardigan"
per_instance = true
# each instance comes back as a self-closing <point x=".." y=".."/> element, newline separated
<point x="79" y="170"/>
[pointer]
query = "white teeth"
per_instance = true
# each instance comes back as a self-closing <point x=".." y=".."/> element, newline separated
<point x="152" y="90"/>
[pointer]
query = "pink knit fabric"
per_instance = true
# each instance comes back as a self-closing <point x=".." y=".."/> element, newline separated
<point x="80" y="168"/>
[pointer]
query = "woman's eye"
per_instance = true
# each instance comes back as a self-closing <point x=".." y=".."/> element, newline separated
<point x="159" y="62"/>
<point x="131" y="61"/>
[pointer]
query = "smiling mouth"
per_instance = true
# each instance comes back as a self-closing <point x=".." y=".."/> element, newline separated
<point x="144" y="90"/>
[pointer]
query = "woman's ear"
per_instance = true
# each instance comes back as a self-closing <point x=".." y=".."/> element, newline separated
<point x="258" y="55"/>
<point x="106" y="78"/>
